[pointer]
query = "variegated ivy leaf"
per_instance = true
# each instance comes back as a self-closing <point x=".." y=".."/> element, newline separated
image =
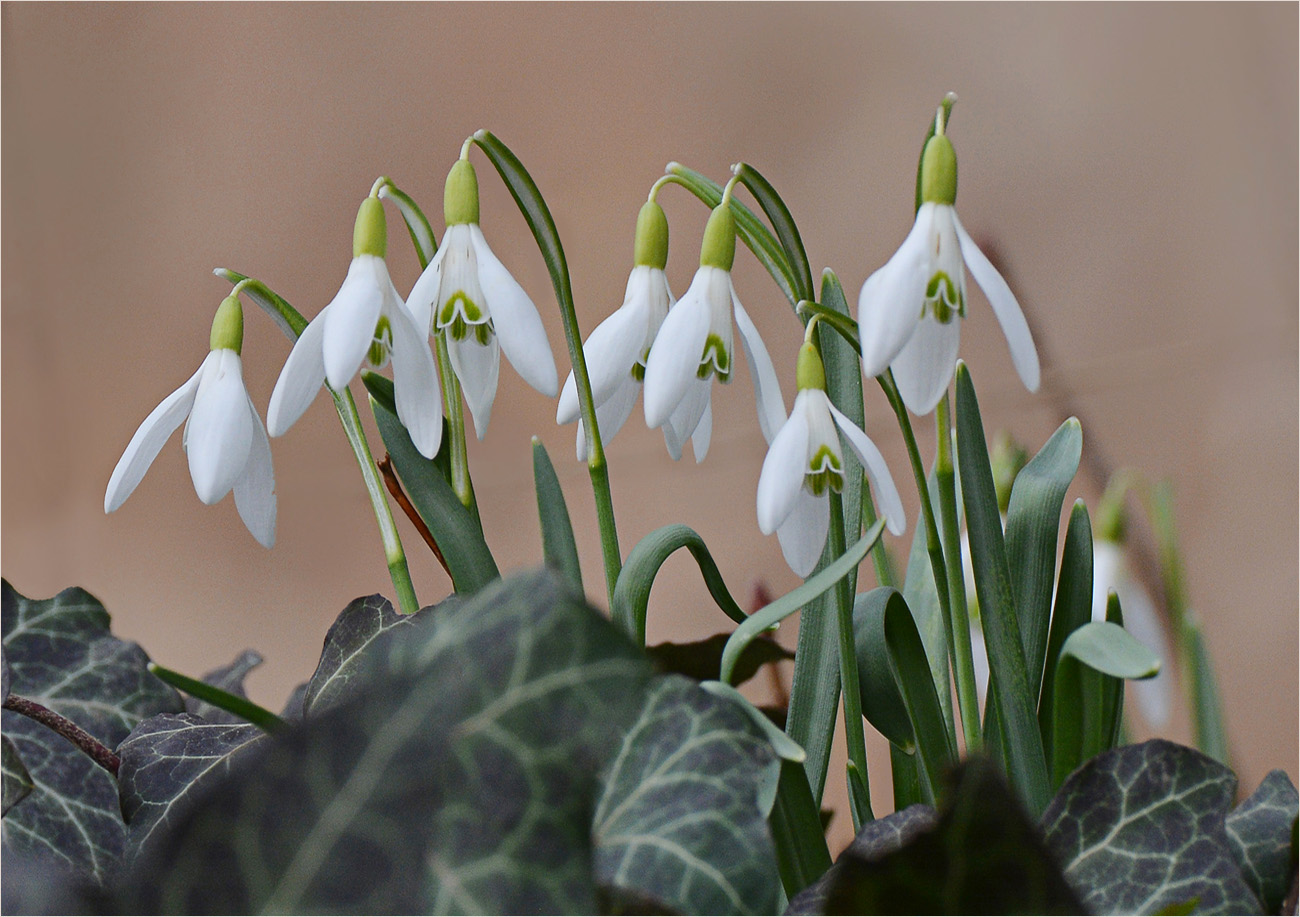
<point x="1260" y="832"/>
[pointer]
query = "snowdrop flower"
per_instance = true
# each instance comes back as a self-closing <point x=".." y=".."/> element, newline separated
<point x="467" y="295"/>
<point x="617" y="350"/>
<point x="910" y="310"/>
<point x="694" y="344"/>
<point x="224" y="439"/>
<point x="805" y="461"/>
<point x="366" y="321"/>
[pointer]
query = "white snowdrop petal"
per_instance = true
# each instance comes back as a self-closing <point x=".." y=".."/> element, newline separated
<point x="300" y="379"/>
<point x="803" y="534"/>
<point x="882" y="483"/>
<point x="220" y="430"/>
<point x="1024" y="355"/>
<point x="350" y="324"/>
<point x="703" y="434"/>
<point x="675" y="357"/>
<point x="415" y="384"/>
<point x="611" y="350"/>
<point x="515" y="319"/>
<point x="767" y="387"/>
<point x="255" y="488"/>
<point x="924" y="367"/>
<point x="148" y="441"/>
<point x="424" y="294"/>
<point x="889" y="304"/>
<point x="477" y="367"/>
<point x="784" y="468"/>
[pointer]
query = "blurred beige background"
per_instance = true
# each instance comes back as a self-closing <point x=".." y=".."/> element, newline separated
<point x="1135" y="168"/>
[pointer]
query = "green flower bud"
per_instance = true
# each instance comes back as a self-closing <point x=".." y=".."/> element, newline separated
<point x="651" y="248"/>
<point x="938" y="171"/>
<point x="719" y="248"/>
<point x="460" y="199"/>
<point x="1112" y="514"/>
<point x="370" y="235"/>
<point x="228" y="326"/>
<point x="1007" y="458"/>
<point x="808" y="371"/>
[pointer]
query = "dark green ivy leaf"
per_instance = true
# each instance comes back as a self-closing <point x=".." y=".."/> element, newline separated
<point x="356" y="628"/>
<point x="1141" y="828"/>
<point x="679" y="820"/>
<point x="1259" y="835"/>
<point x="62" y="656"/>
<point x="702" y="659"/>
<point x="17" y="783"/>
<point x="984" y="856"/>
<point x="458" y="774"/>
<point x="229" y="678"/>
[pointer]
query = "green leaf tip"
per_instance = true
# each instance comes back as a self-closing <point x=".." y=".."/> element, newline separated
<point x="651" y="246"/>
<point x="460" y="197"/>
<point x="719" y="248"/>
<point x="370" y="234"/>
<point x="228" y="326"/>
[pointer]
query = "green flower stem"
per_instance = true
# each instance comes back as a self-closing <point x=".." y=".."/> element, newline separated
<point x="397" y="569"/>
<point x="879" y="556"/>
<point x="454" y="409"/>
<point x="853" y="728"/>
<point x="959" y="629"/>
<point x="932" y="545"/>
<point x="241" y="707"/>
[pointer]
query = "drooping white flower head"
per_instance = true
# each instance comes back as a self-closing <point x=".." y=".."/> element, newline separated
<point x="694" y="345"/>
<point x="366" y="321"/>
<point x="910" y="310"/>
<point x="1111" y="573"/>
<point x="224" y="440"/>
<point x="467" y="294"/>
<point x="804" y="463"/>
<point x="617" y="350"/>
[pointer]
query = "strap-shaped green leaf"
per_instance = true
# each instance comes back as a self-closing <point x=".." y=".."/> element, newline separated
<point x="749" y="227"/>
<point x="558" y="547"/>
<point x="801" y="852"/>
<point x="417" y="224"/>
<point x="1072" y="610"/>
<point x="787" y="233"/>
<point x="1095" y="656"/>
<point x="632" y="593"/>
<point x="882" y="702"/>
<point x="455" y="529"/>
<point x="910" y="670"/>
<point x="840" y="323"/>
<point x="286" y="317"/>
<point x="775" y="612"/>
<point x="1033" y="519"/>
<point x="1023" y="747"/>
<point x="920" y="595"/>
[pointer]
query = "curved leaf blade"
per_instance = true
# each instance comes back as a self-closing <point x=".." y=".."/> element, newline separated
<point x="787" y="232"/>
<point x="417" y="224"/>
<point x="286" y="317"/>
<point x="1072" y="610"/>
<point x="559" y="549"/>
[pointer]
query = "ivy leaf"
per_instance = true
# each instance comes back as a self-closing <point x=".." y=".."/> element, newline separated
<point x="458" y="772"/>
<point x="17" y="783"/>
<point x="229" y="678"/>
<point x="702" y="659"/>
<point x="1141" y="828"/>
<point x="168" y="762"/>
<point x="876" y="839"/>
<point x="61" y="655"/>
<point x="362" y="622"/>
<point x="679" y="820"/>
<point x="1259" y="835"/>
<point x="983" y="856"/>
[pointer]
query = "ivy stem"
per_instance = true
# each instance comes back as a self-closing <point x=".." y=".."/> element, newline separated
<point x="98" y="752"/>
<point x="397" y="569"/>
<point x="932" y="544"/>
<point x="962" y="662"/>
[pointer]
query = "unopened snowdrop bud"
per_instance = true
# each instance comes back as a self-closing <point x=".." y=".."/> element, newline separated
<point x="651" y="247"/>
<point x="460" y="197"/>
<point x="1112" y="515"/>
<point x="938" y="171"/>
<point x="719" y="248"/>
<point x="370" y="234"/>
<point x="1006" y="458"/>
<point x="228" y="326"/>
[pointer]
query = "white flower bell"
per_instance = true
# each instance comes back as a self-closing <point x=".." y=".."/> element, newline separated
<point x="910" y="310"/>
<point x="805" y="462"/>
<point x="694" y="344"/>
<point x="224" y="440"/>
<point x="366" y="321"/>
<point x="617" y="350"/>
<point x="467" y="294"/>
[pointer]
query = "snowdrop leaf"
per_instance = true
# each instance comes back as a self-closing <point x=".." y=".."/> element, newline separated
<point x="459" y="776"/>
<point x="230" y="679"/>
<point x="417" y="224"/>
<point x="455" y="529"/>
<point x="1072" y="610"/>
<point x="559" y="549"/>
<point x="842" y="325"/>
<point x="15" y="782"/>
<point x="1010" y="689"/>
<point x="62" y="656"/>
<point x="787" y="233"/>
<point x="632" y="591"/>
<point x="1260" y="833"/>
<point x="169" y="762"/>
<point x="982" y="855"/>
<point x="1141" y="828"/>
<point x="920" y="595"/>
<point x="286" y="317"/>
<point x="1033" y="520"/>
<point x="882" y="702"/>
<point x="749" y="228"/>
<point x="844" y="388"/>
<point x="678" y="820"/>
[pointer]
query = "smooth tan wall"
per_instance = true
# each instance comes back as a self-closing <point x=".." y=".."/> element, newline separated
<point x="1133" y="167"/>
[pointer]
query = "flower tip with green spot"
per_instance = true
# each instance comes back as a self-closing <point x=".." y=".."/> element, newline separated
<point x="228" y="326"/>
<point x="651" y="246"/>
<point x="809" y="371"/>
<point x="460" y="196"/>
<point x="719" y="247"/>
<point x="939" y="171"/>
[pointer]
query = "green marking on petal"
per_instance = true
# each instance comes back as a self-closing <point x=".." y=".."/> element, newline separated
<point x="638" y="371"/>
<point x="944" y="297"/>
<point x="824" y="471"/>
<point x="714" y="360"/>
<point x="381" y="345"/>
<point x="459" y="313"/>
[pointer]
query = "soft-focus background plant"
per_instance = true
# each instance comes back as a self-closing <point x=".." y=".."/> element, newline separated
<point x="1131" y="169"/>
